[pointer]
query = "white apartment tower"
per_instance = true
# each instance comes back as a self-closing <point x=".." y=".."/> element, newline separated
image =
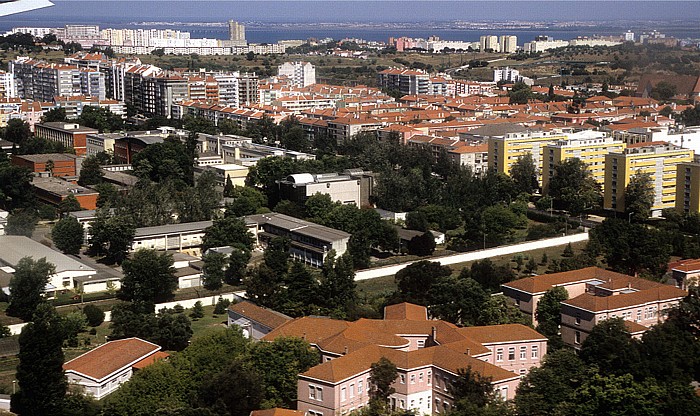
<point x="508" y="43"/>
<point x="300" y="73"/>
<point x="489" y="42"/>
<point x="236" y="31"/>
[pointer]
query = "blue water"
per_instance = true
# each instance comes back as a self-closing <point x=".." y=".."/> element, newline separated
<point x="264" y="18"/>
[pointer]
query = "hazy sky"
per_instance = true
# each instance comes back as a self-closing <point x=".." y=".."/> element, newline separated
<point x="377" y="11"/>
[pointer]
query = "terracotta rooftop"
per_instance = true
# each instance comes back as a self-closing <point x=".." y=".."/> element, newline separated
<point x="594" y="303"/>
<point x="635" y="328"/>
<point x="267" y="317"/>
<point x="494" y="334"/>
<point x="407" y="311"/>
<point x="542" y="283"/>
<point x="692" y="265"/>
<point x="160" y="355"/>
<point x="277" y="412"/>
<point x="111" y="357"/>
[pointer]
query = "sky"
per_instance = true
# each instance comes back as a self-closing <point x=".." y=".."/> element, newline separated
<point x="375" y="11"/>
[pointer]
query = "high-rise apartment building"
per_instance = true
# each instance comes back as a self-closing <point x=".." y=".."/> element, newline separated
<point x="658" y="159"/>
<point x="236" y="31"/>
<point x="406" y="81"/>
<point x="508" y="43"/>
<point x="688" y="187"/>
<point x="588" y="146"/>
<point x="489" y="42"/>
<point x="248" y="89"/>
<point x="42" y="81"/>
<point x="300" y="73"/>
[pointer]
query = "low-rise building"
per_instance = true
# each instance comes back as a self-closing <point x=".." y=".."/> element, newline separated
<point x="595" y="295"/>
<point x="54" y="190"/>
<point x="255" y="321"/>
<point x="71" y="135"/>
<point x="353" y="186"/>
<point x="686" y="273"/>
<point x="428" y="355"/>
<point x="13" y="248"/>
<point x="103" y="370"/>
<point x="308" y="242"/>
<point x="170" y="237"/>
<point x="55" y="164"/>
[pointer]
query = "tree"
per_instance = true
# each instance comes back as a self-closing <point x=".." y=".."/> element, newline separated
<point x="27" y="286"/>
<point x="381" y="376"/>
<point x="524" y="174"/>
<point x="338" y="282"/>
<point x="610" y="347"/>
<point x="617" y="395"/>
<point x="197" y="311"/>
<point x="456" y="300"/>
<point x="73" y="323"/>
<point x="90" y="172"/>
<point x="471" y="391"/>
<point x="246" y="201"/>
<point x="548" y="314"/>
<point x="547" y="389"/>
<point x="17" y="131"/>
<point x="280" y="362"/>
<point x="237" y="266"/>
<point x="68" y="234"/>
<point x="149" y="277"/>
<point x="111" y="235"/>
<point x="302" y="292"/>
<point x="639" y="196"/>
<point x="414" y="281"/>
<point x="422" y="245"/>
<point x="42" y="384"/>
<point x="227" y="231"/>
<point x="221" y="306"/>
<point x="276" y="255"/>
<point x="488" y="275"/>
<point x="69" y="204"/>
<point x="173" y="331"/>
<point x="573" y="187"/>
<point x="521" y="93"/>
<point x="101" y="119"/>
<point x="213" y="270"/>
<point x="14" y="182"/>
<point x="663" y="91"/>
<point x="21" y="222"/>
<point x="55" y="114"/>
<point x="216" y="391"/>
<point x="95" y="316"/>
<point x="499" y="310"/>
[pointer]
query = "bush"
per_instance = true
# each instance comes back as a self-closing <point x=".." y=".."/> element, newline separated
<point x="178" y="308"/>
<point x="197" y="311"/>
<point x="95" y="316"/>
<point x="221" y="306"/>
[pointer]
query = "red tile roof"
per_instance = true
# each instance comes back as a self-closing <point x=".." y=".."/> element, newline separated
<point x="542" y="283"/>
<point x="494" y="334"/>
<point x="110" y="357"/>
<point x="277" y="412"/>
<point x="594" y="303"/>
<point x="267" y="317"/>
<point x="407" y="311"/>
<point x="159" y="356"/>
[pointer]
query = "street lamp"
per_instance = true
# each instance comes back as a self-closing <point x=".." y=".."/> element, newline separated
<point x="14" y="386"/>
<point x="629" y="218"/>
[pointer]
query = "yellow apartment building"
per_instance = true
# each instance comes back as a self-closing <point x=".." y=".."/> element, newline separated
<point x="588" y="146"/>
<point x="688" y="187"/>
<point x="505" y="150"/>
<point x="658" y="159"/>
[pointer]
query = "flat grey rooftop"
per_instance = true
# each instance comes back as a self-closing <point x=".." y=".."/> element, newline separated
<point x="186" y="227"/>
<point x="14" y="247"/>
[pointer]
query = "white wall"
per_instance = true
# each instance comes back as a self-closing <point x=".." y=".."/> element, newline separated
<point x="475" y="255"/>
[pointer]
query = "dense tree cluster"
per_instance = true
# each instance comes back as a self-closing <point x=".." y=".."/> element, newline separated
<point x="199" y="380"/>
<point x="457" y="299"/>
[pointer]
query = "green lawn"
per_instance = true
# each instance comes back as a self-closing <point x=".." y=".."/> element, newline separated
<point x="208" y="323"/>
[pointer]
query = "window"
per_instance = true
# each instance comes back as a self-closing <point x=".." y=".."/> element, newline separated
<point x="359" y="387"/>
<point x="430" y="377"/>
<point x="639" y="315"/>
<point x="402" y="404"/>
<point x="499" y="354"/>
<point x="522" y="372"/>
<point x="352" y="390"/>
<point x="437" y="405"/>
<point x="319" y="393"/>
<point x="403" y="379"/>
<point x="577" y="337"/>
<point x="421" y="343"/>
<point x="343" y="394"/>
<point x="523" y="353"/>
<point x="312" y="392"/>
<point x="535" y="351"/>
<point x="578" y="319"/>
<point x="511" y="354"/>
<point x="413" y="379"/>
<point x="413" y="404"/>
<point x="420" y="377"/>
<point x="504" y="393"/>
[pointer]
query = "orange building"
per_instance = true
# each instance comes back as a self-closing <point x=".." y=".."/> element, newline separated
<point x="54" y="190"/>
<point x="58" y="164"/>
<point x="71" y="135"/>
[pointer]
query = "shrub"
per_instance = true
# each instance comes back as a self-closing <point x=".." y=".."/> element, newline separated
<point x="95" y="316"/>
<point x="221" y="306"/>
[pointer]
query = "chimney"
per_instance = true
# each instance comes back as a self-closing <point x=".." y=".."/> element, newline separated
<point x="434" y="334"/>
<point x="345" y="350"/>
<point x="469" y="352"/>
<point x="304" y="336"/>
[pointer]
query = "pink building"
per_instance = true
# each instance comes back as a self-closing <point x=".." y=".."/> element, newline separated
<point x="427" y="353"/>
<point x="595" y="295"/>
<point x="686" y="272"/>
